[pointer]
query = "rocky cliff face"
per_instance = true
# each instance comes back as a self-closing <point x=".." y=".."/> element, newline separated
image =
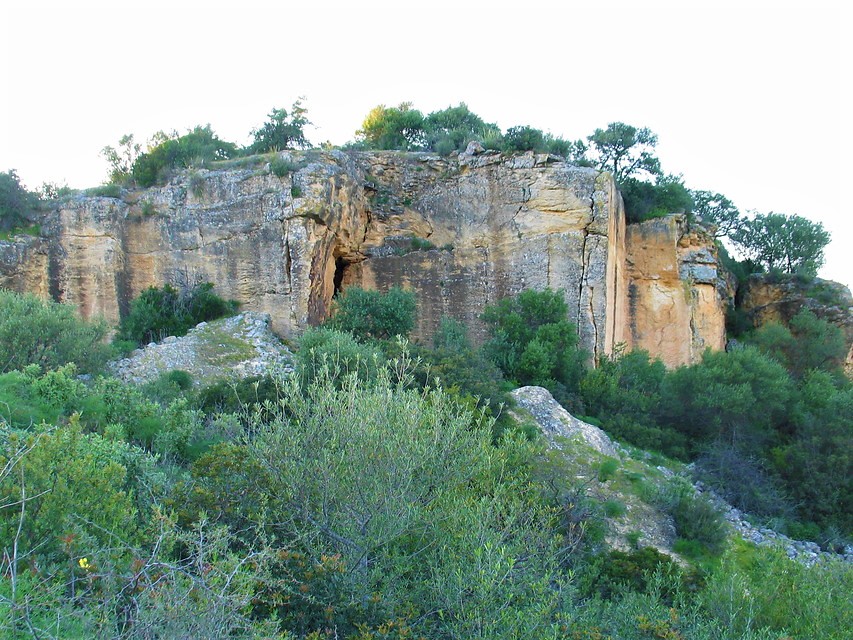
<point x="677" y="291"/>
<point x="461" y="232"/>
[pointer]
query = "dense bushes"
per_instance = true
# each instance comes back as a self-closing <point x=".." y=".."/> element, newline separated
<point x="199" y="146"/>
<point x="451" y="129"/>
<point x="167" y="311"/>
<point x="353" y="500"/>
<point x="16" y="203"/>
<point x="533" y="343"/>
<point x="372" y="314"/>
<point x="47" y="334"/>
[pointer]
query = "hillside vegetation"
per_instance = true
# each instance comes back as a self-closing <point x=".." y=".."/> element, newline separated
<point x="385" y="490"/>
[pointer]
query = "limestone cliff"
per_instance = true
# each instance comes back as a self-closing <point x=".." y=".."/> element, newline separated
<point x="461" y="232"/>
<point x="677" y="291"/>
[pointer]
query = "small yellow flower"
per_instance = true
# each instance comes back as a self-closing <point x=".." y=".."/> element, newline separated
<point x="84" y="563"/>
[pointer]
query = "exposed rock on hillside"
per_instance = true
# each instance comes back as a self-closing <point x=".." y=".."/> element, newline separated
<point x="558" y="424"/>
<point x="461" y="232"/>
<point x="24" y="265"/>
<point x="235" y="347"/>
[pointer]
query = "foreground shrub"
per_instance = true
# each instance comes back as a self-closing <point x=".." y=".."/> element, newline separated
<point x="759" y="587"/>
<point x="167" y="311"/>
<point x="48" y="334"/>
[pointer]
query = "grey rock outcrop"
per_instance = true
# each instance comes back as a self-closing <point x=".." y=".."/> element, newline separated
<point x="228" y="348"/>
<point x="557" y="424"/>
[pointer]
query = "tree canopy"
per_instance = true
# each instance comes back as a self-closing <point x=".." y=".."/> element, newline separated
<point x="16" y="203"/>
<point x="718" y="211"/>
<point x="780" y="242"/>
<point x="625" y="150"/>
<point x="282" y="130"/>
<point x="195" y="148"/>
<point x="399" y="127"/>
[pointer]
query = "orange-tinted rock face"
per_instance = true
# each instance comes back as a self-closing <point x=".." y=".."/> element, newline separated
<point x="461" y="232"/>
<point x="676" y="296"/>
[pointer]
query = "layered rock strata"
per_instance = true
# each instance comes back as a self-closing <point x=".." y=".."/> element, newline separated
<point x="461" y="232"/>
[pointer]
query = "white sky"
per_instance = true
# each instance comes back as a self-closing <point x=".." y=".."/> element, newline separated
<point x="746" y="97"/>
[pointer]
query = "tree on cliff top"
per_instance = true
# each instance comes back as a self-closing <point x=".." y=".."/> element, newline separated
<point x="199" y="146"/>
<point x="625" y="151"/>
<point x="400" y="127"/>
<point x="16" y="203"/>
<point x="717" y="210"/>
<point x="780" y="242"/>
<point x="282" y="130"/>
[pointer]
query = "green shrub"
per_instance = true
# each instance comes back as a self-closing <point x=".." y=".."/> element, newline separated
<point x="17" y="205"/>
<point x="759" y="587"/>
<point x="743" y="397"/>
<point x="373" y="314"/>
<point x="619" y="572"/>
<point x="698" y="520"/>
<point x="607" y="469"/>
<point x="808" y="343"/>
<point x="282" y="167"/>
<point x="647" y="200"/>
<point x="166" y="311"/>
<point x="614" y="508"/>
<point x="196" y="148"/>
<point x="48" y="334"/>
<point x="533" y="343"/>
<point x="105" y="191"/>
<point x="422" y="244"/>
<point x="244" y="397"/>
<point x="337" y="353"/>
<point x="168" y="386"/>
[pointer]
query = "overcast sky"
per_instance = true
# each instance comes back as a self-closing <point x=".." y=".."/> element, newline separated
<point x="746" y="97"/>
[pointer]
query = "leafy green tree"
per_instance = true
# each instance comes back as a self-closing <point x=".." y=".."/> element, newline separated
<point x="808" y="343"/>
<point x="451" y="129"/>
<point x="373" y="314"/>
<point x="645" y="200"/>
<point x="400" y="127"/>
<point x="625" y="151"/>
<point x="624" y="393"/>
<point x="718" y="211"/>
<point x="788" y="243"/>
<point x="282" y="130"/>
<point x="48" y="334"/>
<point x="743" y="397"/>
<point x="199" y="146"/>
<point x="523" y="138"/>
<point x="533" y="342"/>
<point x="122" y="159"/>
<point x="16" y="203"/>
<point x="817" y="463"/>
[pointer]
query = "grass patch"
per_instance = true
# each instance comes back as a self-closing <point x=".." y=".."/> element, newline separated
<point x="104" y="191"/>
<point x="33" y="230"/>
<point x="219" y="348"/>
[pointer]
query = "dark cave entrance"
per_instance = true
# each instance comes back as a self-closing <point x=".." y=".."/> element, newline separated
<point x="341" y="265"/>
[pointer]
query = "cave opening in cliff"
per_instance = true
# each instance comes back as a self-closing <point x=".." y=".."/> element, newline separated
<point x="341" y="265"/>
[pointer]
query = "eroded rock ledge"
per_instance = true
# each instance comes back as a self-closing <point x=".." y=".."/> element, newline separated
<point x="462" y="232"/>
